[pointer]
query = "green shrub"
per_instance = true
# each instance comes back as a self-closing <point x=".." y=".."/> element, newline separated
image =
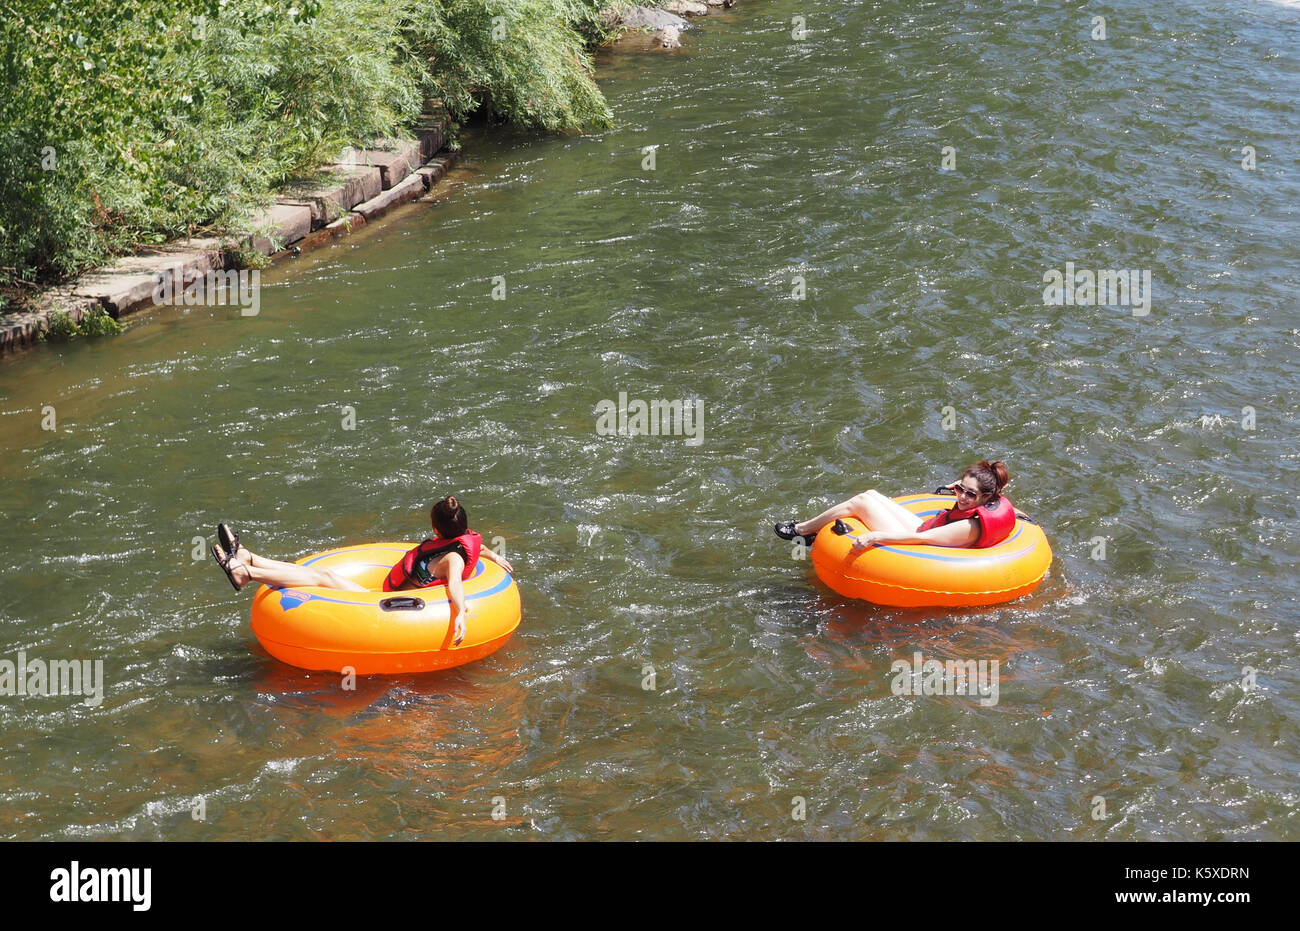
<point x="98" y="323"/>
<point x="80" y="83"/>
<point x="526" y="58"/>
<point x="94" y="322"/>
<point x="60" y="327"/>
<point x="132" y="122"/>
<point x="241" y="256"/>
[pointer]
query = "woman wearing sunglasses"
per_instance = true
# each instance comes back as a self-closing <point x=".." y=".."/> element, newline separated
<point x="981" y="517"/>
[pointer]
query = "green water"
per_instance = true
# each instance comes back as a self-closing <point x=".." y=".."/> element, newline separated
<point x="648" y="561"/>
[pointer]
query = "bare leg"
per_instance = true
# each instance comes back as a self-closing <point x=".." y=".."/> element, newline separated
<point x="872" y="508"/>
<point x="288" y="575"/>
<point x="906" y="519"/>
<point x="249" y="558"/>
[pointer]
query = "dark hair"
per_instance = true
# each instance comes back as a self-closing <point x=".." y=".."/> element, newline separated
<point x="449" y="518"/>
<point x="992" y="476"/>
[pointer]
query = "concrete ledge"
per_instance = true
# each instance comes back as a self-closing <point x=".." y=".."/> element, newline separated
<point x="315" y="239"/>
<point x="405" y="191"/>
<point x="432" y="172"/>
<point x="686" y="7"/>
<point x="321" y="207"/>
<point x="431" y="137"/>
<point x="411" y="150"/>
<point x="363" y="184"/>
<point x="344" y="187"/>
<point x="20" y="330"/>
<point x="394" y="164"/>
<point x="430" y="175"/>
<point x="345" y="225"/>
<point x="287" y="224"/>
<point x="64" y="301"/>
<point x="129" y="283"/>
<point x="119" y="291"/>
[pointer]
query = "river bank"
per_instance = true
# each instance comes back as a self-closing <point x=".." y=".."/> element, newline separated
<point x="351" y="193"/>
<point x="358" y="187"/>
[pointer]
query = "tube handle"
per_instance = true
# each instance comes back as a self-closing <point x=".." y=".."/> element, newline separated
<point x="402" y="603"/>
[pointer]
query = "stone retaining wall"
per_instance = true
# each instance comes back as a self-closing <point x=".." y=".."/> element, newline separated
<point x="361" y="186"/>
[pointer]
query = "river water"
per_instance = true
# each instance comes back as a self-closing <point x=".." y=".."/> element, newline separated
<point x="679" y="674"/>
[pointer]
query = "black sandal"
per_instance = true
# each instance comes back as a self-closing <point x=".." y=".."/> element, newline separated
<point x="224" y="562"/>
<point x="228" y="539"/>
<point x="785" y="530"/>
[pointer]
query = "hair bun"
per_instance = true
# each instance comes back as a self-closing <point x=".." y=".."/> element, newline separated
<point x="452" y="502"/>
<point x="999" y="470"/>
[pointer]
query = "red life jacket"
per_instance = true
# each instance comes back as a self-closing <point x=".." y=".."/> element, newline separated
<point x="414" y="566"/>
<point x="996" y="519"/>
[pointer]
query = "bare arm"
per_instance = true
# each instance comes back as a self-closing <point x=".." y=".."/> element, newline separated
<point x="454" y="565"/>
<point x="496" y="558"/>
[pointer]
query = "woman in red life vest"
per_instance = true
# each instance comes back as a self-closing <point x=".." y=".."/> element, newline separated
<point x="981" y="517"/>
<point x="448" y="559"/>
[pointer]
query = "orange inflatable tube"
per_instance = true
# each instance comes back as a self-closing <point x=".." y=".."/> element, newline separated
<point x="383" y="632"/>
<point x="916" y="575"/>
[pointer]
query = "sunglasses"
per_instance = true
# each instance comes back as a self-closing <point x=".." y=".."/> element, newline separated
<point x="963" y="490"/>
